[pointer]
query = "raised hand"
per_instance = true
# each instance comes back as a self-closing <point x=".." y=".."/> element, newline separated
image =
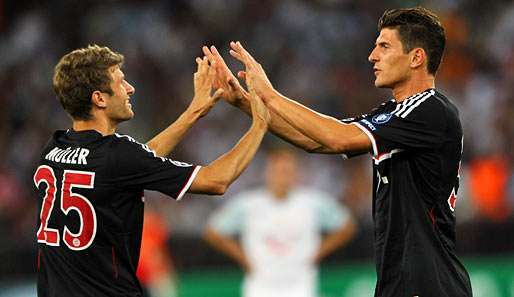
<point x="204" y="78"/>
<point x="254" y="72"/>
<point x="233" y="91"/>
<point x="259" y="109"/>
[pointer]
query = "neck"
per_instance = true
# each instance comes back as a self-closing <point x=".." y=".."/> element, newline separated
<point x="101" y="125"/>
<point x="279" y="194"/>
<point x="412" y="87"/>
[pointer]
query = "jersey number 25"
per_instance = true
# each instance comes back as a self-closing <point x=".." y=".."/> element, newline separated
<point x="69" y="201"/>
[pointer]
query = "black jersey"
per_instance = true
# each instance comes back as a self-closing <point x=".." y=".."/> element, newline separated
<point x="91" y="211"/>
<point x="417" y="148"/>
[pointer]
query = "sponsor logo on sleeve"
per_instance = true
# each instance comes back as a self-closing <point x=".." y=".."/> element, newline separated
<point x="368" y="124"/>
<point x="381" y="118"/>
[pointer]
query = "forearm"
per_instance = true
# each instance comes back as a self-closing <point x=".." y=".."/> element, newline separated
<point x="164" y="142"/>
<point x="335" y="240"/>
<point x="226" y="245"/>
<point x="283" y="129"/>
<point x="216" y="177"/>
<point x="332" y="135"/>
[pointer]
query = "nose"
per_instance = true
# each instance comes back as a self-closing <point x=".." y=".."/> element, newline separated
<point x="373" y="56"/>
<point x="130" y="89"/>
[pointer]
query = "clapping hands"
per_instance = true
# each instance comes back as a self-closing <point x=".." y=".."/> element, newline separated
<point x="204" y="79"/>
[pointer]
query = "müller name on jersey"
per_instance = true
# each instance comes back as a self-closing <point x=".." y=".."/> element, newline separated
<point x="68" y="156"/>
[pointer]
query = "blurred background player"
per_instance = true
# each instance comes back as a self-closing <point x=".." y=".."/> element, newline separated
<point x="281" y="228"/>
<point x="91" y="180"/>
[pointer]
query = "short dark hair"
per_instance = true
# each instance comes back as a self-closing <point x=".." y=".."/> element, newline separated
<point x="417" y="27"/>
<point x="81" y="72"/>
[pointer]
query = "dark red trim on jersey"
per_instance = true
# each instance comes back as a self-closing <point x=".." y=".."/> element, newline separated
<point x="114" y="266"/>
<point x="377" y="158"/>
<point x="432" y="216"/>
<point x="38" y="258"/>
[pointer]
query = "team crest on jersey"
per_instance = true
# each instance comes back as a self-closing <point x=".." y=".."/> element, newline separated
<point x="381" y="118"/>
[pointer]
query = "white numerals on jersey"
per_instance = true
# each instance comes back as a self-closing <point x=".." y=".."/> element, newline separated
<point x="69" y="201"/>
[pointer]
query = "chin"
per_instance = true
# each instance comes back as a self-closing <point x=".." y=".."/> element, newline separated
<point x="130" y="114"/>
<point x="125" y="117"/>
<point x="382" y="85"/>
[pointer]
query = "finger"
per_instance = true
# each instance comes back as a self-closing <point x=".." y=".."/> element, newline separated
<point x="208" y="54"/>
<point x="218" y="56"/>
<point x="238" y="56"/>
<point x="215" y="52"/>
<point x="198" y="65"/>
<point x="241" y="50"/>
<point x="212" y="71"/>
<point x="204" y="65"/>
<point x="237" y="49"/>
<point x="241" y="75"/>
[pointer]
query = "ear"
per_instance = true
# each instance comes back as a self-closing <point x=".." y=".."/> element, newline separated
<point x="98" y="99"/>
<point x="418" y="57"/>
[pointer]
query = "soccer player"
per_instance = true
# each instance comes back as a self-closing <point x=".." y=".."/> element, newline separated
<point x="280" y="227"/>
<point x="90" y="179"/>
<point x="415" y="140"/>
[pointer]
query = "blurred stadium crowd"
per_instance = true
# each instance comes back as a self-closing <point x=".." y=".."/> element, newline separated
<point x="314" y="51"/>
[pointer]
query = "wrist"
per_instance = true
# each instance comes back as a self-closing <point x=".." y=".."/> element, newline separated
<point x="259" y="123"/>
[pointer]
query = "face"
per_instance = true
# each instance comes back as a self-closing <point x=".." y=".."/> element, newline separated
<point x="118" y="107"/>
<point x="281" y="172"/>
<point x="390" y="64"/>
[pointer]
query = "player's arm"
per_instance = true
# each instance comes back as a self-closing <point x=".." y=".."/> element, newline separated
<point x="236" y="95"/>
<point x="216" y="177"/>
<point x="202" y="102"/>
<point x="331" y="134"/>
<point x="227" y="245"/>
<point x="335" y="136"/>
<point x="335" y="239"/>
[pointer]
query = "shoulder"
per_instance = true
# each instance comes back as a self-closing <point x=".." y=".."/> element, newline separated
<point x="125" y="140"/>
<point x="245" y="200"/>
<point x="374" y="111"/>
<point x="127" y="145"/>
<point x="129" y="154"/>
<point x="129" y="149"/>
<point x="251" y="196"/>
<point x="444" y="103"/>
<point x="429" y="105"/>
<point x="312" y="195"/>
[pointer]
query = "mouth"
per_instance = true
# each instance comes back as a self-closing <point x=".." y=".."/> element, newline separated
<point x="376" y="71"/>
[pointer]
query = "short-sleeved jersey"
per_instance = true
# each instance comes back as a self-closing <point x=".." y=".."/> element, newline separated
<point x="417" y="148"/>
<point x="280" y="237"/>
<point x="90" y="189"/>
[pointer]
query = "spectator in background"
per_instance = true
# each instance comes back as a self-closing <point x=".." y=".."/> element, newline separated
<point x="488" y="183"/>
<point x="156" y="270"/>
<point x="280" y="227"/>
